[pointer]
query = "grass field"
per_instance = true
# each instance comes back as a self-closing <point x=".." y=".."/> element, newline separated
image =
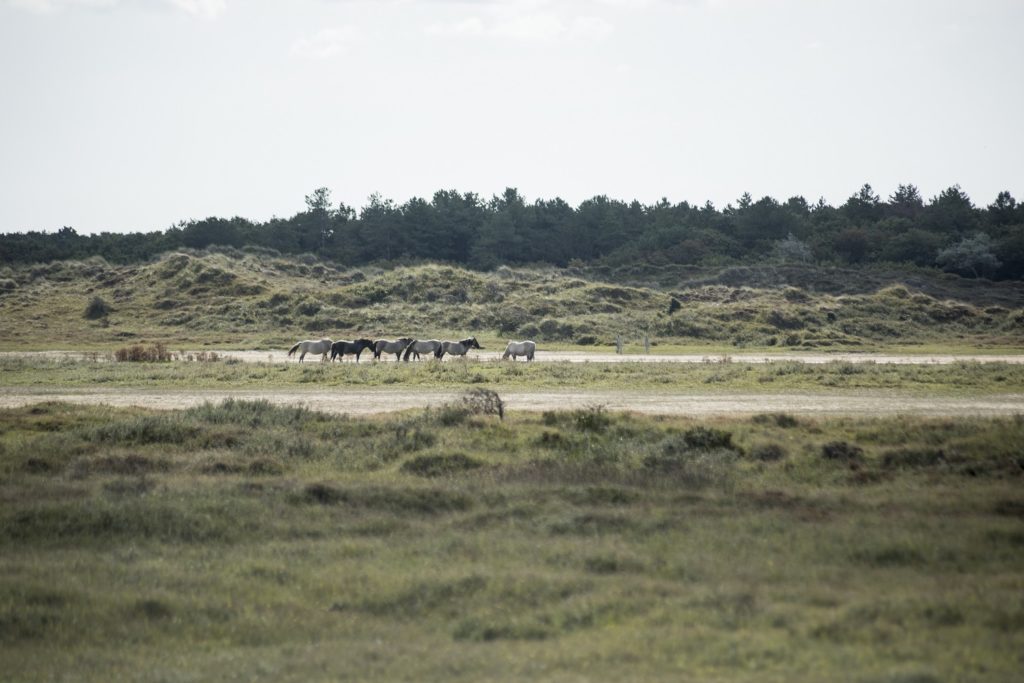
<point x="247" y="542"/>
<point x="961" y="378"/>
<point x="955" y="379"/>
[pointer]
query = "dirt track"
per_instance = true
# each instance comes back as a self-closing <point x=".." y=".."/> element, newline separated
<point x="361" y="401"/>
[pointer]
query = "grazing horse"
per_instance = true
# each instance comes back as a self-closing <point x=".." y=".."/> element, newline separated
<point x="321" y="346"/>
<point x="340" y="348"/>
<point x="523" y="348"/>
<point x="458" y="348"/>
<point x="419" y="346"/>
<point x="396" y="347"/>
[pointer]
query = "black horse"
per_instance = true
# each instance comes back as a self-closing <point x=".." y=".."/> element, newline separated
<point x="342" y="348"/>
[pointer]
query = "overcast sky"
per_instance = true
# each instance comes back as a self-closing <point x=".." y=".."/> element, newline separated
<point x="124" y="115"/>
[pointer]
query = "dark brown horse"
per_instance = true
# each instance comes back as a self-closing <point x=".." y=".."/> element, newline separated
<point x="341" y="348"/>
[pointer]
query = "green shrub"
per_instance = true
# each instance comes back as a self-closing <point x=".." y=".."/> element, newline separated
<point x="769" y="452"/>
<point x="147" y="429"/>
<point x="692" y="468"/>
<point x="842" y="451"/>
<point x="907" y="458"/>
<point x="707" y="438"/>
<point x="890" y="556"/>
<point x="784" y="420"/>
<point x="591" y="419"/>
<point x="440" y="465"/>
<point x="96" y="309"/>
<point x="324" y="494"/>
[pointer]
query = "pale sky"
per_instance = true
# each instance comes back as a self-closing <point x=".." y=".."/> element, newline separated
<point x="125" y="115"/>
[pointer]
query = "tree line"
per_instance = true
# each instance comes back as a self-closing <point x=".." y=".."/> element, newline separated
<point x="948" y="231"/>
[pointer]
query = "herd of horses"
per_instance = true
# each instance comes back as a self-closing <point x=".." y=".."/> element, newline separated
<point x="403" y="348"/>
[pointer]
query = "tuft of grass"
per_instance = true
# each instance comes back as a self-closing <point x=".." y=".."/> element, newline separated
<point x="842" y="451"/>
<point x="591" y="419"/>
<point x="784" y="420"/>
<point x="705" y="438"/>
<point x="768" y="452"/>
<point x="440" y="465"/>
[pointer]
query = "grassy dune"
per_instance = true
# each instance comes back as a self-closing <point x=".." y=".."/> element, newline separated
<point x="233" y="299"/>
<point x="250" y="542"/>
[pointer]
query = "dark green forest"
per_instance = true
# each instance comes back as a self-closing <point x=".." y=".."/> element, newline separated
<point x="948" y="232"/>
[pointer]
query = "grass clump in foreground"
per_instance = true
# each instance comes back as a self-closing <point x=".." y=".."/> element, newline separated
<point x="241" y="539"/>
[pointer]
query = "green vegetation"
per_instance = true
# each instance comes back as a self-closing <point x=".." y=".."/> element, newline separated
<point x="960" y="378"/>
<point x="948" y="232"/>
<point x="251" y="542"/>
<point x="251" y="300"/>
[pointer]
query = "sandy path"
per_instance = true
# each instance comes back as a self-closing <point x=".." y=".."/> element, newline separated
<point x="363" y="401"/>
<point x="280" y="356"/>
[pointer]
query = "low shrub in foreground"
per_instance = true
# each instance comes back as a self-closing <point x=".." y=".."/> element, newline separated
<point x="842" y="451"/>
<point x="139" y="353"/>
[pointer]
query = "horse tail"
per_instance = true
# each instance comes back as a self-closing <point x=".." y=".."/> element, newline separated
<point x="408" y="351"/>
<point x="439" y="351"/>
<point x="294" y="348"/>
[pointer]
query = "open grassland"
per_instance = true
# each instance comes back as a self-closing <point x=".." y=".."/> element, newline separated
<point x="256" y="300"/>
<point x="242" y="541"/>
<point x="960" y="378"/>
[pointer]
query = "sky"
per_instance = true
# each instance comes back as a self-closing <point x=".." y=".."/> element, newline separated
<point x="134" y="115"/>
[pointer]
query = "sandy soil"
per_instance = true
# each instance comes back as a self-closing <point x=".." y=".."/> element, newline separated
<point x="280" y="356"/>
<point x="365" y="401"/>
